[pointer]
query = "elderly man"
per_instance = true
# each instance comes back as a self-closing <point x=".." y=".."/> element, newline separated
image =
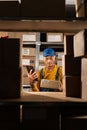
<point x="51" y="72"/>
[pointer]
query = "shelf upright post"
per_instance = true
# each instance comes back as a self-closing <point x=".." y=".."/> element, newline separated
<point x="38" y="42"/>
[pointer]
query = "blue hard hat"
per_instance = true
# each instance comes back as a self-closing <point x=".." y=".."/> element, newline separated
<point x="48" y="52"/>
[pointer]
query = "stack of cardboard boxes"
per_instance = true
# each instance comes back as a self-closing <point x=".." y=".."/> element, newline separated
<point x="80" y="51"/>
<point x="28" y="54"/>
<point x="75" y="81"/>
<point x="71" y="69"/>
<point x="74" y="65"/>
<point x="28" y="59"/>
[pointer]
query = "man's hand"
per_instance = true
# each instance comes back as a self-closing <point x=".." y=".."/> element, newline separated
<point x="32" y="76"/>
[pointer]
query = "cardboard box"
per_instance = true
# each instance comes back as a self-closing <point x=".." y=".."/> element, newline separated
<point x="84" y="77"/>
<point x="59" y="55"/>
<point x="81" y="8"/>
<point x="32" y="51"/>
<point x="71" y="65"/>
<point x="80" y="44"/>
<point x="10" y="50"/>
<point x="55" y="37"/>
<point x="25" y="79"/>
<point x="31" y="36"/>
<point x="24" y="71"/>
<point x="68" y="45"/>
<point x="28" y="51"/>
<point x="10" y="82"/>
<point x="59" y="62"/>
<point x="72" y="86"/>
<point x="52" y="84"/>
<point x="28" y="60"/>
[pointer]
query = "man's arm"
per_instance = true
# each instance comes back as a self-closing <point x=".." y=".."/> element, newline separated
<point x="32" y="77"/>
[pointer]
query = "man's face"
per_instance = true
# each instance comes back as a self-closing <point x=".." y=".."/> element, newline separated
<point x="49" y="61"/>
